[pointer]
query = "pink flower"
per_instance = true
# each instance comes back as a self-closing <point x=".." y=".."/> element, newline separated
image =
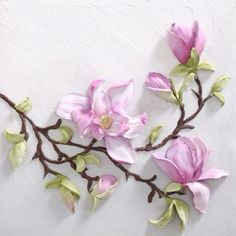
<point x="184" y="163"/>
<point x="158" y="82"/>
<point x="161" y="85"/>
<point x="182" y="40"/>
<point x="101" y="114"/>
<point x="105" y="184"/>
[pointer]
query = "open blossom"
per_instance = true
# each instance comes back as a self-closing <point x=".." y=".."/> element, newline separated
<point x="101" y="114"/>
<point x="184" y="163"/>
<point x="182" y="40"/>
<point x="161" y="85"/>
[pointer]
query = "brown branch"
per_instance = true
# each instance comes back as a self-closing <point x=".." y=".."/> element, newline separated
<point x="182" y="121"/>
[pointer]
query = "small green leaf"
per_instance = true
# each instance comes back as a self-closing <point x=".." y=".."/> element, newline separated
<point x="173" y="187"/>
<point x="69" y="198"/>
<point x="17" y="154"/>
<point x="65" y="182"/>
<point x="219" y="84"/>
<point x="13" y="138"/>
<point x="165" y="219"/>
<point x="180" y="69"/>
<point x="66" y="133"/>
<point x="54" y="183"/>
<point x="188" y="79"/>
<point x="91" y="159"/>
<point x="193" y="60"/>
<point x="220" y="97"/>
<point x="203" y="65"/>
<point x="182" y="211"/>
<point x="24" y="106"/>
<point x="155" y="134"/>
<point x="80" y="163"/>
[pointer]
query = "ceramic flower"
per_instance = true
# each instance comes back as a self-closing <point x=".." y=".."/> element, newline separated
<point x="159" y="84"/>
<point x="182" y="40"/>
<point x="184" y="162"/>
<point x="101" y="114"/>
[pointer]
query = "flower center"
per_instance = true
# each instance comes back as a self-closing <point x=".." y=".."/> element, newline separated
<point x="106" y="122"/>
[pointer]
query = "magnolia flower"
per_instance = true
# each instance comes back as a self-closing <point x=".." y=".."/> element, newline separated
<point x="182" y="40"/>
<point x="184" y="163"/>
<point x="160" y="84"/>
<point x="101" y="114"/>
<point x="104" y="186"/>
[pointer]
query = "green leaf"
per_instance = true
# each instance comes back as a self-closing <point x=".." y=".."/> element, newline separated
<point x="54" y="183"/>
<point x="203" y="65"/>
<point x="219" y="84"/>
<point x="69" y="198"/>
<point x="220" y="97"/>
<point x="193" y="60"/>
<point x="80" y="163"/>
<point x="66" y="133"/>
<point x="91" y="159"/>
<point x="13" y="138"/>
<point x="188" y="79"/>
<point x="65" y="182"/>
<point x="165" y="219"/>
<point x="155" y="134"/>
<point x="180" y="69"/>
<point x="173" y="187"/>
<point x="24" y="106"/>
<point x="17" y="154"/>
<point x="182" y="211"/>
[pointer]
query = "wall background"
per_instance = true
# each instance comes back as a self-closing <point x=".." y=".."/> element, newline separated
<point x="51" y="47"/>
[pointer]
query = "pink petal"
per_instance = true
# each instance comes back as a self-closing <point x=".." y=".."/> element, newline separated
<point x="119" y="124"/>
<point x="136" y="125"/>
<point x="213" y="173"/>
<point x="202" y="154"/>
<point x="93" y="86"/>
<point x="169" y="168"/>
<point x="106" y="182"/>
<point x="100" y="102"/>
<point x="157" y="81"/>
<point x="120" y="149"/>
<point x="121" y="94"/>
<point x="201" y="194"/>
<point x="178" y="44"/>
<point x="70" y="103"/>
<point x="182" y="152"/>
<point x="199" y="43"/>
<point x="82" y="119"/>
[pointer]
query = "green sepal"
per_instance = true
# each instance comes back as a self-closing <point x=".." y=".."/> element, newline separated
<point x="17" y="154"/>
<point x="193" y="60"/>
<point x="91" y="159"/>
<point x="220" y="97"/>
<point x="180" y="70"/>
<point x="219" y="84"/>
<point x="69" y="198"/>
<point x="54" y="183"/>
<point x="80" y="163"/>
<point x="188" y="79"/>
<point x="95" y="202"/>
<point x="155" y="134"/>
<point x="182" y="210"/>
<point x="165" y="219"/>
<point x="67" y="183"/>
<point x="173" y="187"/>
<point x="13" y="138"/>
<point x="203" y="65"/>
<point x="24" y="106"/>
<point x="66" y="133"/>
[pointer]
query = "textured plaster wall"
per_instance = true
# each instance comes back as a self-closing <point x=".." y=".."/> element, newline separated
<point x="51" y="47"/>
